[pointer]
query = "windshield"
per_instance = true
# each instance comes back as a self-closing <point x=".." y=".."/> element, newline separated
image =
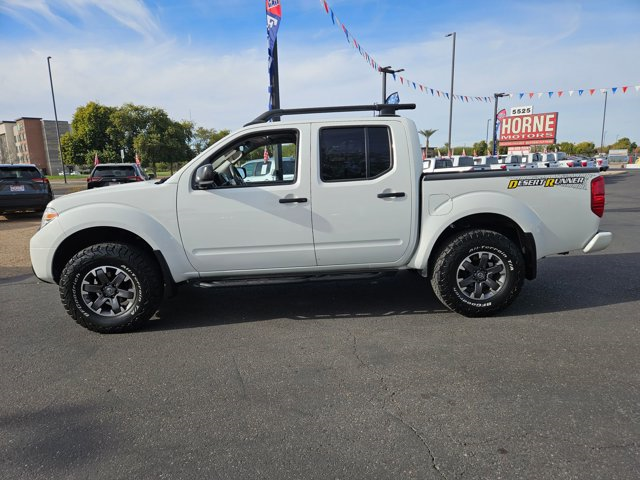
<point x="23" y="173"/>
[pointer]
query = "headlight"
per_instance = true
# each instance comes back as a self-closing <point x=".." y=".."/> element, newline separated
<point x="48" y="215"/>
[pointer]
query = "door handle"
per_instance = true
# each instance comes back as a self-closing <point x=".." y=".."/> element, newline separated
<point x="292" y="200"/>
<point x="391" y="195"/>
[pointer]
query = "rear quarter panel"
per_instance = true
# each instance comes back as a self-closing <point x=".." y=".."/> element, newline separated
<point x="553" y="205"/>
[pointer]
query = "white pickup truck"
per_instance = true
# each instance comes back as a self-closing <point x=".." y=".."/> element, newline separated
<point x="358" y="204"/>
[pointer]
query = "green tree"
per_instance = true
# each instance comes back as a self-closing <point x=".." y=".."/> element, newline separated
<point x="164" y="140"/>
<point x="481" y="148"/>
<point x="203" y="138"/>
<point x="427" y="134"/>
<point x="585" y="148"/>
<point x="89" y="127"/>
<point x="623" y="143"/>
<point x="566" y="147"/>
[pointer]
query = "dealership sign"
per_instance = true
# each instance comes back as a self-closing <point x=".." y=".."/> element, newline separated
<point x="524" y="130"/>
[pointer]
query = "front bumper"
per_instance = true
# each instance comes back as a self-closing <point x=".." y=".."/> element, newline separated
<point x="42" y="249"/>
<point x="599" y="241"/>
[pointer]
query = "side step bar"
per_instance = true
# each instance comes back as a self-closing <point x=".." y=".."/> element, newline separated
<point x="261" y="281"/>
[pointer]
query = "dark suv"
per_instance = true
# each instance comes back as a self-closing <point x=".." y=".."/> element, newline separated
<point x="105" y="174"/>
<point x="23" y="188"/>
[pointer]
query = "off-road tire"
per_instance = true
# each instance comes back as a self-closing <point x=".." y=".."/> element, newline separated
<point x="478" y="273"/>
<point x="111" y="287"/>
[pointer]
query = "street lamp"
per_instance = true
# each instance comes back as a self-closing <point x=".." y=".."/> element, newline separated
<point x="453" y="63"/>
<point x="487" y="138"/>
<point x="384" y="71"/>
<point x="495" y="118"/>
<point x="55" y="114"/>
<point x="604" y="116"/>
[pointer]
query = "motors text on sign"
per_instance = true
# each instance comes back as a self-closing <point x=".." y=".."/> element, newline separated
<point x="537" y="129"/>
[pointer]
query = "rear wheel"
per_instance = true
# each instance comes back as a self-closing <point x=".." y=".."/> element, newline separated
<point x="478" y="273"/>
<point x="111" y="287"/>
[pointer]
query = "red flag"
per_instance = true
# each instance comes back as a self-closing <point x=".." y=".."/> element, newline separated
<point x="96" y="160"/>
<point x="137" y="159"/>
<point x="266" y="154"/>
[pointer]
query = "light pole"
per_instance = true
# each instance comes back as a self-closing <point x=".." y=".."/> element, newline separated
<point x="487" y="139"/>
<point x="55" y="114"/>
<point x="384" y="71"/>
<point x="604" y="116"/>
<point x="495" y="115"/>
<point x="453" y="64"/>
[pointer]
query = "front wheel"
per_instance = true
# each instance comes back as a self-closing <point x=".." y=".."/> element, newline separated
<point x="478" y="273"/>
<point x="111" y="287"/>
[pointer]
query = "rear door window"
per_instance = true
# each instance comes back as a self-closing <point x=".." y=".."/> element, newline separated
<point x="354" y="153"/>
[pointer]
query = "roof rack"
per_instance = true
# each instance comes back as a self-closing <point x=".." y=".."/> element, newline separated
<point x="385" y="109"/>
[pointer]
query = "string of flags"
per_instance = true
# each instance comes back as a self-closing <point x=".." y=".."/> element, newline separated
<point x="351" y="40"/>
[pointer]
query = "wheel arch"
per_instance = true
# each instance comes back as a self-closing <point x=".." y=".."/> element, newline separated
<point x="94" y="235"/>
<point x="497" y="223"/>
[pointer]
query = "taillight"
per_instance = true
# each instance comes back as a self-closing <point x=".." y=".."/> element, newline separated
<point x="599" y="162"/>
<point x="569" y="164"/>
<point x="136" y="178"/>
<point x="503" y="167"/>
<point x="40" y="180"/>
<point x="597" y="196"/>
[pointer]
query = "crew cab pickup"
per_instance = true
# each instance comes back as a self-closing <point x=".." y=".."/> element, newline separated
<point x="358" y="204"/>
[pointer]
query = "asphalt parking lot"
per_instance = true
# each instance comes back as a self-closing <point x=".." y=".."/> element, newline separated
<point x="347" y="380"/>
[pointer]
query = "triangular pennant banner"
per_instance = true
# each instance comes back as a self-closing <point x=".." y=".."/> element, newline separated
<point x="624" y="89"/>
<point x="580" y="92"/>
<point x="521" y="95"/>
<point x="592" y="91"/>
<point x="613" y="89"/>
<point x="560" y="92"/>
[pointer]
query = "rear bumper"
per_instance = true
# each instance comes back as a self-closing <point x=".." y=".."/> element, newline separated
<point x="599" y="241"/>
<point x="19" y="203"/>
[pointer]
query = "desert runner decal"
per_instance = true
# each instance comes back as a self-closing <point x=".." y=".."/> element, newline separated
<point x="546" y="182"/>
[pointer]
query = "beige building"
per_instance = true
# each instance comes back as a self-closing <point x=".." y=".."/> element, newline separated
<point x="8" y="152"/>
<point x="32" y="140"/>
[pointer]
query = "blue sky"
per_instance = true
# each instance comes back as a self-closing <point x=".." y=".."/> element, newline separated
<point x="205" y="60"/>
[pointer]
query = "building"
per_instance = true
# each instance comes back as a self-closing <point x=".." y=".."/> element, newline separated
<point x="51" y="143"/>
<point x="32" y="140"/>
<point x="8" y="152"/>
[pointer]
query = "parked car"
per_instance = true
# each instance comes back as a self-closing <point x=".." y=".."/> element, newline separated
<point x="443" y="165"/>
<point x="602" y="162"/>
<point x="105" y="174"/>
<point x="261" y="171"/>
<point x="23" y="188"/>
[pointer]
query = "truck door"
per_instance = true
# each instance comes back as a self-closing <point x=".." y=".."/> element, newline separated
<point x="362" y="192"/>
<point x="237" y="226"/>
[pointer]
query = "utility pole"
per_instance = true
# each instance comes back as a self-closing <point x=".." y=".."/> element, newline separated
<point x="55" y="114"/>
<point x="495" y="118"/>
<point x="604" y="116"/>
<point x="453" y="64"/>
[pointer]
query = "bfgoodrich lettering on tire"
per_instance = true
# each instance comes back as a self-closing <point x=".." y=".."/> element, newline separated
<point x="111" y="287"/>
<point x="478" y="273"/>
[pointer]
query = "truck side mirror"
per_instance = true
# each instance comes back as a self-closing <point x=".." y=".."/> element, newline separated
<point x="204" y="177"/>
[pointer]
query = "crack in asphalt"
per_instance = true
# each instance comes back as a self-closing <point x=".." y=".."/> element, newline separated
<point x="389" y="396"/>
